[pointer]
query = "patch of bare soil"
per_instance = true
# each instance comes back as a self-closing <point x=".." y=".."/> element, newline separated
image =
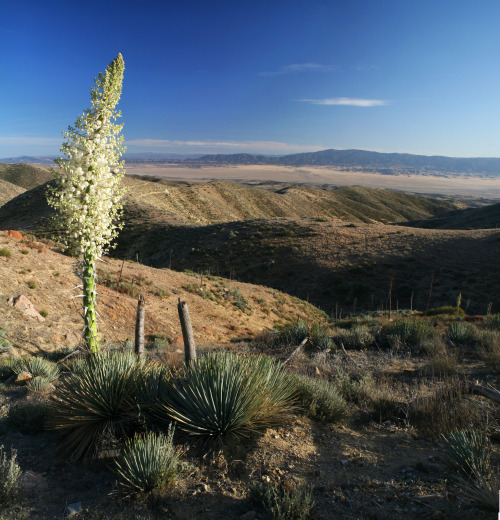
<point x="221" y="310"/>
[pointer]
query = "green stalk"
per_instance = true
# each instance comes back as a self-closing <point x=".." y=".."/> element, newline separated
<point x="89" y="302"/>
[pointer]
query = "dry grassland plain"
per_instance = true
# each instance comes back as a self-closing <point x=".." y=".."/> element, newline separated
<point x="448" y="185"/>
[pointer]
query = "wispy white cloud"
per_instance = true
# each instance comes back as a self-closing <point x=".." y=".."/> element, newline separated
<point x="299" y="67"/>
<point x="254" y="146"/>
<point x="344" y="101"/>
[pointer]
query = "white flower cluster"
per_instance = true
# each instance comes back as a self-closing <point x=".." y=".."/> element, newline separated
<point x="87" y="194"/>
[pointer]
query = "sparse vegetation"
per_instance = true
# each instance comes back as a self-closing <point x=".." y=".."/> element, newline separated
<point x="281" y="503"/>
<point x="5" y="252"/>
<point x="10" y="477"/>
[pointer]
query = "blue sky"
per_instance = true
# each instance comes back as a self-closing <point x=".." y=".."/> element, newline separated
<point x="259" y="76"/>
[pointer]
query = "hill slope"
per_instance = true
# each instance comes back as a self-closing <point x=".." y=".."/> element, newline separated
<point x="487" y="217"/>
<point x="26" y="176"/>
<point x="9" y="191"/>
<point x="47" y="278"/>
<point x="153" y="200"/>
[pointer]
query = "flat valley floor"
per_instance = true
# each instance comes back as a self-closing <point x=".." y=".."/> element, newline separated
<point x="447" y="185"/>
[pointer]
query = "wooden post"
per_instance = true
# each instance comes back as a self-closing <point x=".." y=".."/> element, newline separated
<point x="187" y="332"/>
<point x="139" y="326"/>
<point x="390" y="298"/>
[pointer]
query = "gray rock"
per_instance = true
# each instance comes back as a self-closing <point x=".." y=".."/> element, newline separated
<point x="73" y="509"/>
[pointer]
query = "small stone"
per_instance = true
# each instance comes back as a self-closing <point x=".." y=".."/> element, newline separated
<point x="344" y="462"/>
<point x="22" y="378"/>
<point x="23" y="304"/>
<point x="35" y="481"/>
<point x="14" y="234"/>
<point x="73" y="509"/>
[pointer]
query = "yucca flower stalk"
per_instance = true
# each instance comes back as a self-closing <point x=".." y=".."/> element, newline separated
<point x="87" y="193"/>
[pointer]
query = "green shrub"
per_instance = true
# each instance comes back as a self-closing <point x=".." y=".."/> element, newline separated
<point x="321" y="400"/>
<point x="40" y="385"/>
<point x="101" y="400"/>
<point x="460" y="332"/>
<point x="10" y="476"/>
<point x="37" y="366"/>
<point x="292" y="335"/>
<point x="5" y="252"/>
<point x="148" y="462"/>
<point x="29" y="417"/>
<point x="449" y="310"/>
<point x="224" y="394"/>
<point x="239" y="301"/>
<point x="406" y="334"/>
<point x="468" y="451"/>
<point x="358" y="337"/>
<point x="282" y="504"/>
<point x="320" y="337"/>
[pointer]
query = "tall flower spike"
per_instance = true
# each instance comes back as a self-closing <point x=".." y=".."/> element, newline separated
<point x="87" y="192"/>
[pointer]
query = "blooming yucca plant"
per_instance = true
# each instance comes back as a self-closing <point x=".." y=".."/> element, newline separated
<point x="87" y="193"/>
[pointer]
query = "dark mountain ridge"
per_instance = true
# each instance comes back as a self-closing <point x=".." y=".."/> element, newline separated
<point x="366" y="160"/>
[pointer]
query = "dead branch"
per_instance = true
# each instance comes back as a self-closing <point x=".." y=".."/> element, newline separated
<point x="296" y="350"/>
<point x="483" y="391"/>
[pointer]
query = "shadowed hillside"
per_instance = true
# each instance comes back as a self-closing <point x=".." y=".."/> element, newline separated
<point x="487" y="217"/>
<point x="332" y="264"/>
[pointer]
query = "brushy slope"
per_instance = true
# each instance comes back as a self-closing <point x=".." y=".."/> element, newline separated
<point x="26" y="176"/>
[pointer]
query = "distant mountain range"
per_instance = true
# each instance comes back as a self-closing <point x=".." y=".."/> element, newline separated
<point x="389" y="163"/>
<point x="386" y="163"/>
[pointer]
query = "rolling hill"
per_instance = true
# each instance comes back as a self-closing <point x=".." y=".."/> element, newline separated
<point x="333" y="247"/>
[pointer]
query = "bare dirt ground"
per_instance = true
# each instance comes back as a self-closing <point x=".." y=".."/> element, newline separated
<point x="47" y="278"/>
<point x="462" y="185"/>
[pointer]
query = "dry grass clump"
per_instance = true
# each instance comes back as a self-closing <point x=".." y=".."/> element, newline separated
<point x="358" y="337"/>
<point x="281" y="503"/>
<point x="447" y="408"/>
<point x="488" y="344"/>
